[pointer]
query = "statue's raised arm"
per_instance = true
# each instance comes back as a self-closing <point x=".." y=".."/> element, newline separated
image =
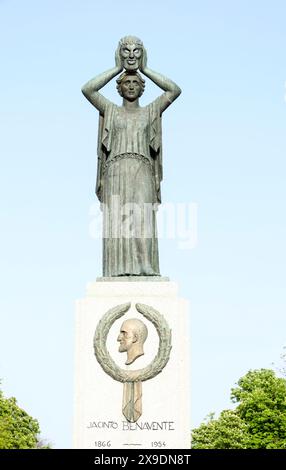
<point x="90" y="89"/>
<point x="172" y="90"/>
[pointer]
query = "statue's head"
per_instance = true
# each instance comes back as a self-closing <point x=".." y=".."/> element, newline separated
<point x="130" y="49"/>
<point x="132" y="336"/>
<point x="130" y="85"/>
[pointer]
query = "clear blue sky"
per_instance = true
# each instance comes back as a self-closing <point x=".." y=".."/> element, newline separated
<point x="224" y="148"/>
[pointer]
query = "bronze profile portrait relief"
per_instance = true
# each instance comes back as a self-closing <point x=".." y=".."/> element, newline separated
<point x="133" y="333"/>
<point x="132" y="336"/>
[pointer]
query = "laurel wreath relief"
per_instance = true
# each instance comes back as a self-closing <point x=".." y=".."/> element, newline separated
<point x="105" y="360"/>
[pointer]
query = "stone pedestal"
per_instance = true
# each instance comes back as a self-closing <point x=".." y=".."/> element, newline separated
<point x="99" y="422"/>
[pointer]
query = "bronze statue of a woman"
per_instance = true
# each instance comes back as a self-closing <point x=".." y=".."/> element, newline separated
<point x="129" y="169"/>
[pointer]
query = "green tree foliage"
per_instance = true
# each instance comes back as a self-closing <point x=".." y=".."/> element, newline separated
<point x="261" y="398"/>
<point x="18" y="430"/>
<point x="229" y="431"/>
<point x="258" y="422"/>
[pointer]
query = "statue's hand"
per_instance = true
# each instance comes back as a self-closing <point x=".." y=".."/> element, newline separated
<point x="118" y="60"/>
<point x="143" y="61"/>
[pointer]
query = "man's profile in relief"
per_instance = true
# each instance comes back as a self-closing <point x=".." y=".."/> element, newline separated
<point x="133" y="334"/>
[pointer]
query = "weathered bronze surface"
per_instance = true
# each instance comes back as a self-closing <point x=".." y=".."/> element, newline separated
<point x="129" y="171"/>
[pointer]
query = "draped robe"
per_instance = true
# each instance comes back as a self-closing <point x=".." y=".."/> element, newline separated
<point x="129" y="174"/>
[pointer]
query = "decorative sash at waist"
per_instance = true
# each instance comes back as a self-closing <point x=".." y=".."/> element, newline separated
<point x="122" y="156"/>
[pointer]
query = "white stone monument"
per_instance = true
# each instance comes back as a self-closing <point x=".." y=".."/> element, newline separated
<point x="99" y="421"/>
<point x="132" y="378"/>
